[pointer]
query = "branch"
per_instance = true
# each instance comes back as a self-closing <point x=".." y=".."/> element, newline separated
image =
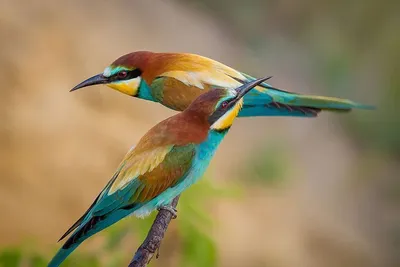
<point x="152" y="243"/>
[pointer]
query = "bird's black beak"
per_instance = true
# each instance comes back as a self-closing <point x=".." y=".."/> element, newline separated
<point x="245" y="88"/>
<point x="97" y="79"/>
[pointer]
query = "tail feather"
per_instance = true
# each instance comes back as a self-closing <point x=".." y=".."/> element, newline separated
<point x="79" y="221"/>
<point x="61" y="255"/>
<point x="83" y="231"/>
<point x="276" y="109"/>
<point x="328" y="103"/>
<point x="265" y="100"/>
<point x="274" y="102"/>
<point x="90" y="226"/>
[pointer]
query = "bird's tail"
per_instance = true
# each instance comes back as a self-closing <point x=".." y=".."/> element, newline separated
<point x="61" y="255"/>
<point x="265" y="100"/>
<point x="90" y="226"/>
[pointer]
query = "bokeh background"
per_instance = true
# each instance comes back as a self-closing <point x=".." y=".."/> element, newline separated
<point x="280" y="192"/>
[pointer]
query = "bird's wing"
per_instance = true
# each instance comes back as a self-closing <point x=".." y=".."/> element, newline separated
<point x="139" y="178"/>
<point x="142" y="177"/>
<point x="182" y="82"/>
<point x="170" y="172"/>
<point x="187" y="77"/>
<point x="202" y="72"/>
<point x="199" y="74"/>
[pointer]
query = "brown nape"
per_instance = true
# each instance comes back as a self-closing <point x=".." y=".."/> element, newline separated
<point x="189" y="126"/>
<point x="205" y="104"/>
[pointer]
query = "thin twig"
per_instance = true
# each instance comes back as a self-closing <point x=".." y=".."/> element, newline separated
<point x="152" y="243"/>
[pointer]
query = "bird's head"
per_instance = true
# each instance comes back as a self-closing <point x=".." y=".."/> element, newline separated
<point x="123" y="75"/>
<point x="220" y="107"/>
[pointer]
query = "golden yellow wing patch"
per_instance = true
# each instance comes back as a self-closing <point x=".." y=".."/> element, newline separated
<point x="201" y="78"/>
<point x="198" y="71"/>
<point x="135" y="164"/>
<point x="166" y="174"/>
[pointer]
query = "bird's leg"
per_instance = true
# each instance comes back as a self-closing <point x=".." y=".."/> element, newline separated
<point x="170" y="209"/>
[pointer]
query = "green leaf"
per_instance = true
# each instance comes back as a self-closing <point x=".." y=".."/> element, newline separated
<point x="10" y="257"/>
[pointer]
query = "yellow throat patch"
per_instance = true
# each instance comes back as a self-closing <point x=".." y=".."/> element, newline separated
<point x="227" y="119"/>
<point x="129" y="87"/>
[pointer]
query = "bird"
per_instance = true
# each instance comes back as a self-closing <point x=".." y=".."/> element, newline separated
<point x="168" y="159"/>
<point x="176" y="79"/>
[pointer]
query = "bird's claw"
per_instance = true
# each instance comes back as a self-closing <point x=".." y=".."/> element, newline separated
<point x="171" y="209"/>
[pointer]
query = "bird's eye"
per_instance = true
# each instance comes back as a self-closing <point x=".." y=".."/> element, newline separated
<point x="224" y="104"/>
<point x="122" y="74"/>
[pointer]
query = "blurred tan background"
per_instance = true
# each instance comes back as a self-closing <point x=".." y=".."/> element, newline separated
<point x="315" y="192"/>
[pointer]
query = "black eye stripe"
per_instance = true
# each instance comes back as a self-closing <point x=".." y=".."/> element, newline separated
<point x="134" y="73"/>
<point x="221" y="110"/>
<point x="131" y="74"/>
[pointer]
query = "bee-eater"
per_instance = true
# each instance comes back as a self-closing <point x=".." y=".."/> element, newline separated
<point x="176" y="79"/>
<point x="168" y="159"/>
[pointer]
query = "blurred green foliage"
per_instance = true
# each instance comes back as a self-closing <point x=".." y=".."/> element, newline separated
<point x="268" y="165"/>
<point x="11" y="257"/>
<point x="197" y="247"/>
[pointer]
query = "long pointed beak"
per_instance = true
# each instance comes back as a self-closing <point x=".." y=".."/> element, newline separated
<point x="245" y="88"/>
<point x="97" y="79"/>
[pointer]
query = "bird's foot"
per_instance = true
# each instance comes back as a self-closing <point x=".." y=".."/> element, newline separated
<point x="170" y="209"/>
